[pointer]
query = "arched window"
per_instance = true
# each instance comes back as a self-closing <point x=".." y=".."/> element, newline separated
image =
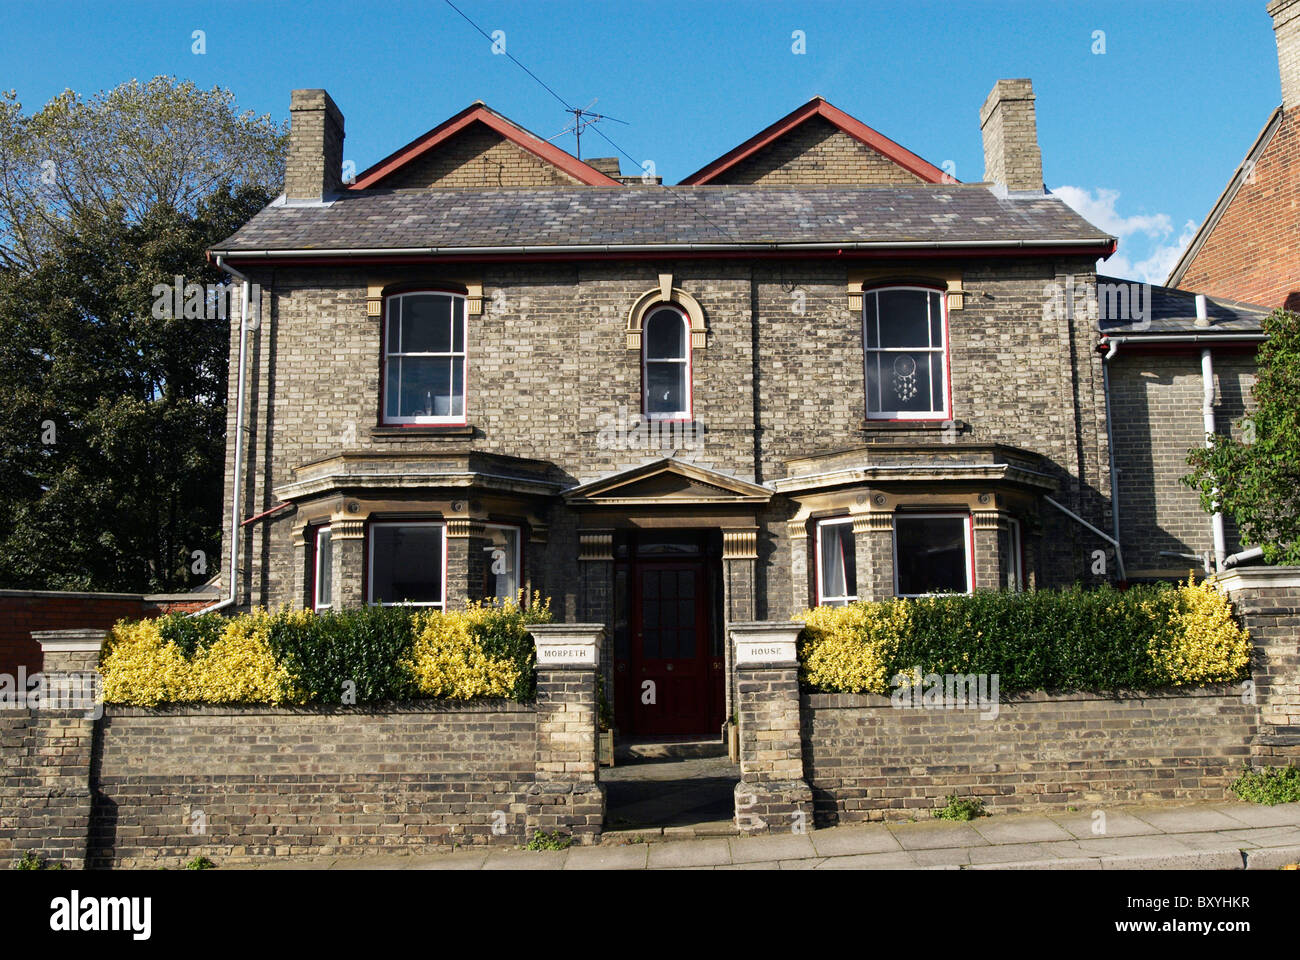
<point x="905" y="345"/>
<point x="666" y="364"/>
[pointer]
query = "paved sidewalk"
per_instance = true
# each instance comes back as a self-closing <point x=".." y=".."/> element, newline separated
<point x="1216" y="836"/>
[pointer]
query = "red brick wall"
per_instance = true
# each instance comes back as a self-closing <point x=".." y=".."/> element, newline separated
<point x="23" y="612"/>
<point x="1253" y="253"/>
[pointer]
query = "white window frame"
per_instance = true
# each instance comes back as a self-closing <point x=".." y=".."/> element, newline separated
<point x="942" y="350"/>
<point x="370" y="564"/>
<point x="687" y="360"/>
<point x="969" y="546"/>
<point x="316" y="568"/>
<point x="452" y="419"/>
<point x="822" y="598"/>
<point x="519" y="551"/>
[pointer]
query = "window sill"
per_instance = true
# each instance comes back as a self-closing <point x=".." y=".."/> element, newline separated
<point x="422" y="432"/>
<point x="913" y="426"/>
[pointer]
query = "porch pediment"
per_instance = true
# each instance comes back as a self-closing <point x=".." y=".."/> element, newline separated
<point x="666" y="482"/>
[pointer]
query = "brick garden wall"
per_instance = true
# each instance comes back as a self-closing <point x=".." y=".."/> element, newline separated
<point x="22" y="611"/>
<point x="45" y="798"/>
<point x="867" y="760"/>
<point x="306" y="782"/>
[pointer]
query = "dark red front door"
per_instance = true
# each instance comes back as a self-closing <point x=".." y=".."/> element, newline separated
<point x="671" y="688"/>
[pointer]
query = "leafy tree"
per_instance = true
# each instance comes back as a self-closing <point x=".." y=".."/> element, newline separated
<point x="124" y="152"/>
<point x="112" y="417"/>
<point x="1256" y="480"/>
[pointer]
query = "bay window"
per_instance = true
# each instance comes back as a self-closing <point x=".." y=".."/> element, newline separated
<point x="932" y="554"/>
<point x="837" y="567"/>
<point x="408" y="563"/>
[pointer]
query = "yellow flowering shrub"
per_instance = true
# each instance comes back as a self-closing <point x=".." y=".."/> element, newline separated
<point x="369" y="654"/>
<point x="1202" y="642"/>
<point x="851" y="649"/>
<point x="139" y="667"/>
<point x="447" y="660"/>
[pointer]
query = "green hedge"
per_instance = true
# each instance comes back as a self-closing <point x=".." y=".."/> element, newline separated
<point x="1102" y="639"/>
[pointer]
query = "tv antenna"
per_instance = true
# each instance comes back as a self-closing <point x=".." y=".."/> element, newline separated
<point x="583" y="117"/>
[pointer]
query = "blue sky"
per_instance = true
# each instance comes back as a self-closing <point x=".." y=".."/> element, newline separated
<point x="1141" y="138"/>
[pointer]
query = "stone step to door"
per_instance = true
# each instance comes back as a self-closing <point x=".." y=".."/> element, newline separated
<point x="694" y="831"/>
<point x="665" y="749"/>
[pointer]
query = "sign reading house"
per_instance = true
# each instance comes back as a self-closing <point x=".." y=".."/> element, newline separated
<point x="765" y="643"/>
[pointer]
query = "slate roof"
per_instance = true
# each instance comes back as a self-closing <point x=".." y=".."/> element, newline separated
<point x="1174" y="311"/>
<point x="456" y="219"/>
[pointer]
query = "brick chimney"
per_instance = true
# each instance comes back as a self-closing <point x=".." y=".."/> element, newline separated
<point x="315" y="166"/>
<point x="1011" y="156"/>
<point x="1286" y="31"/>
<point x="609" y="166"/>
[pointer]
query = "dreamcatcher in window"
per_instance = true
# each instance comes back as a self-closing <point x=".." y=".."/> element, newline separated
<point x="904" y="378"/>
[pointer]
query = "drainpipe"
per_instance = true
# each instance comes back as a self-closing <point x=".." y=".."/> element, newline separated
<point x="1112" y="349"/>
<point x="1242" y="557"/>
<point x="232" y="565"/>
<point x="1207" y="413"/>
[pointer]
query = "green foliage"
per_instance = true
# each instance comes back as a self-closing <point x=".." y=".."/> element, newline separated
<point x="364" y="655"/>
<point x="1145" y="637"/>
<point x="191" y="634"/>
<point x="200" y="863"/>
<point x="31" y="860"/>
<point x="1256" y="478"/>
<point x="363" y="645"/>
<point x="1269" y="785"/>
<point x="957" y="808"/>
<point x="112" y="420"/>
<point x="541" y="840"/>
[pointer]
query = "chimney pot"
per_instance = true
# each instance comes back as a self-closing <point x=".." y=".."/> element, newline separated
<point x="314" y="169"/>
<point x="1010" y="129"/>
<point x="1286" y="31"/>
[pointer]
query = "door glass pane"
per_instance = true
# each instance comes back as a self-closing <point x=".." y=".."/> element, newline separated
<point x="931" y="554"/>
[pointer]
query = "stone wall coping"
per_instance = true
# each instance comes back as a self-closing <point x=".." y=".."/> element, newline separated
<point x="320" y="710"/>
<point x="1256" y="578"/>
<point x="71" y="641"/>
<point x="834" y="701"/>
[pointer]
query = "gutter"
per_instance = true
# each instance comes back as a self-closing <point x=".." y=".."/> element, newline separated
<point x="621" y="248"/>
<point x="237" y="473"/>
<point x="1106" y="340"/>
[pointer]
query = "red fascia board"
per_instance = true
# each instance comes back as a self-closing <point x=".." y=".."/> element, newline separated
<point x="854" y="128"/>
<point x="904" y="254"/>
<point x="480" y="114"/>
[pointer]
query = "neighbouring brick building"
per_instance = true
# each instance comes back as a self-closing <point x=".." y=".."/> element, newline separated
<point x="1248" y="248"/>
<point x="819" y="369"/>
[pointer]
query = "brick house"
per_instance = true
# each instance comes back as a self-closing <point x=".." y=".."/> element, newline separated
<point x="819" y="369"/>
<point x="1248" y="247"/>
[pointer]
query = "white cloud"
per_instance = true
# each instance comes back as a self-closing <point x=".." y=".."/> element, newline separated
<point x="1147" y="249"/>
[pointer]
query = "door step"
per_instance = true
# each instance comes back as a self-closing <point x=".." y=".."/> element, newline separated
<point x="666" y="748"/>
<point x="717" y="828"/>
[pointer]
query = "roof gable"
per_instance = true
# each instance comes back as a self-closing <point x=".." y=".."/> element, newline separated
<point x="469" y="134"/>
<point x="797" y="138"/>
